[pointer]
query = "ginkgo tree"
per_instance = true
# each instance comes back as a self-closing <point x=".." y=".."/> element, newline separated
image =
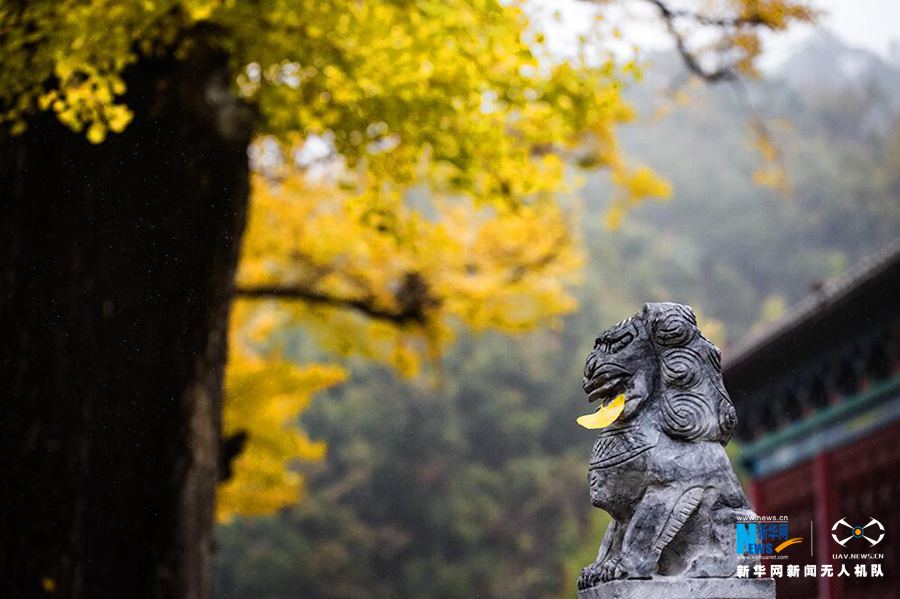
<point x="128" y="130"/>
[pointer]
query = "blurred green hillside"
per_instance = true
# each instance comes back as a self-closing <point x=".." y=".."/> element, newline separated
<point x="477" y="487"/>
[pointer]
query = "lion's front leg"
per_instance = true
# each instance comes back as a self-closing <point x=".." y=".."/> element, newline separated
<point x="659" y="516"/>
<point x="609" y="546"/>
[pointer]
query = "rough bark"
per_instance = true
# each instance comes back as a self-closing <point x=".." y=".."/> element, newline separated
<point x="116" y="271"/>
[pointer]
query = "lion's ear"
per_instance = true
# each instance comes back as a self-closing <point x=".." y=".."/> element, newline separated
<point x="687" y="415"/>
<point x="727" y="420"/>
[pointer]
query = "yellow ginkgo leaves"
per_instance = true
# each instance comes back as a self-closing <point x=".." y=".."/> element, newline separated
<point x="265" y="395"/>
<point x="354" y="269"/>
<point x="605" y="415"/>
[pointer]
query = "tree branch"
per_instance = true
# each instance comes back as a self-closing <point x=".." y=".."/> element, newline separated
<point x="705" y="20"/>
<point x="410" y="313"/>
<point x="668" y="15"/>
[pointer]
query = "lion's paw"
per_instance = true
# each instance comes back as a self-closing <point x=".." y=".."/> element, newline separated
<point x="622" y="567"/>
<point x="590" y="576"/>
<point x="612" y="569"/>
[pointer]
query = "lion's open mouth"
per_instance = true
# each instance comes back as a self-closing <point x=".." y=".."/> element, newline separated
<point x="609" y="380"/>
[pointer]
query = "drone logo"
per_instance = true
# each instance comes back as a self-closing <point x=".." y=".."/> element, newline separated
<point x="858" y="532"/>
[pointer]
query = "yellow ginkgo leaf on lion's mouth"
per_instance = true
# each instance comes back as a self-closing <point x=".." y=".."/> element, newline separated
<point x="605" y="416"/>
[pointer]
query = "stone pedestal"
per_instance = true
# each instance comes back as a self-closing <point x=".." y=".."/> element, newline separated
<point x="683" y="588"/>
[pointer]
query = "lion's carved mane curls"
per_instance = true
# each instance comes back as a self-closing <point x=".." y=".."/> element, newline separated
<point x="660" y="469"/>
<point x="694" y="405"/>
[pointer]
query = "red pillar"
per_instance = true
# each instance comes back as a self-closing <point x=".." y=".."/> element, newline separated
<point x="825" y="506"/>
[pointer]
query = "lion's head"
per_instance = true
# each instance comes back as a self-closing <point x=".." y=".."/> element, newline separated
<point x="659" y="359"/>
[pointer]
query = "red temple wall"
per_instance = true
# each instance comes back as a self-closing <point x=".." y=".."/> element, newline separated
<point x="857" y="482"/>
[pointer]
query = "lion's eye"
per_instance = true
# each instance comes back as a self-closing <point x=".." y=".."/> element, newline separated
<point x="611" y="345"/>
<point x="620" y="343"/>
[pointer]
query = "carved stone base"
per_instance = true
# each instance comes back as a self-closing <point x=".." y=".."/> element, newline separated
<point x="683" y="588"/>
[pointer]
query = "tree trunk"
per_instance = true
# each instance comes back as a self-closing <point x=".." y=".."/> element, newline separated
<point x="116" y="271"/>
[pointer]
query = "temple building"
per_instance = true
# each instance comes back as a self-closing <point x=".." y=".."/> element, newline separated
<point x="818" y="402"/>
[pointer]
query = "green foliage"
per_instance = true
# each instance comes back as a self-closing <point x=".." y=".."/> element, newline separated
<point x="424" y="494"/>
<point x="726" y="245"/>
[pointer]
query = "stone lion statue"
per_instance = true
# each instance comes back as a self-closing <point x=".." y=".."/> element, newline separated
<point x="660" y="468"/>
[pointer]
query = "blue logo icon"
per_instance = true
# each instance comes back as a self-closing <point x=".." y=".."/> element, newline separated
<point x="762" y="538"/>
